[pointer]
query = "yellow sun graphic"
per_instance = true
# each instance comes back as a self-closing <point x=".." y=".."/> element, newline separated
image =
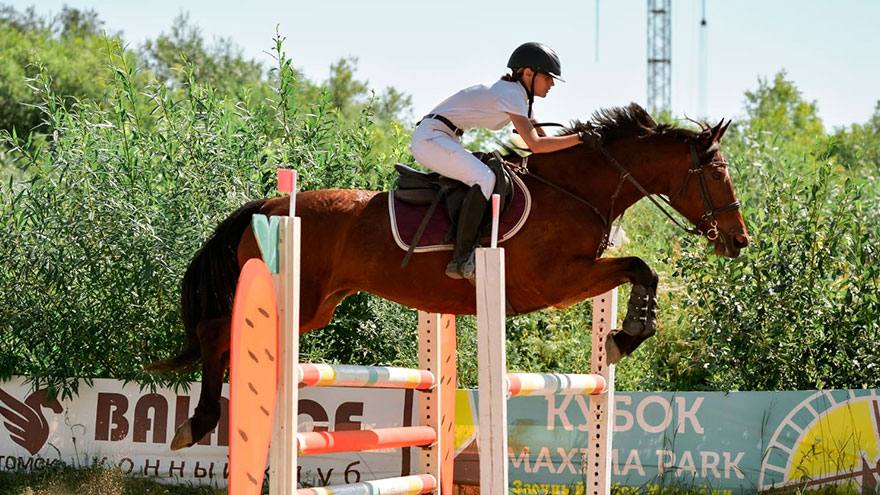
<point x="826" y="440"/>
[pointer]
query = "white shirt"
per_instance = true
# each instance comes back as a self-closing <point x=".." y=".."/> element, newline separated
<point x="485" y="107"/>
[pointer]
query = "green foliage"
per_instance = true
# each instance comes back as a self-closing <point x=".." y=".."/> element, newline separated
<point x="72" y="56"/>
<point x="858" y="148"/>
<point x="800" y="308"/>
<point x="137" y="156"/>
<point x="776" y="107"/>
<point x="365" y="330"/>
<point x="123" y="192"/>
<point x="342" y="85"/>
<point x="350" y="95"/>
<point x="172" y="56"/>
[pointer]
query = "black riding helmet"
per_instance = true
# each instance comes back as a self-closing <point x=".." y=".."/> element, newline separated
<point x="538" y="57"/>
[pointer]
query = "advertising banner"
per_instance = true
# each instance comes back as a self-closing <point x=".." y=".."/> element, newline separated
<point x="731" y="442"/>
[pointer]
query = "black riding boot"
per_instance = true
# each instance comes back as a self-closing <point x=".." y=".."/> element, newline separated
<point x="467" y="234"/>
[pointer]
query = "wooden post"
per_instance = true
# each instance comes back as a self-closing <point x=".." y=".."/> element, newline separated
<point x="601" y="418"/>
<point x="437" y="354"/>
<point x="283" y="458"/>
<point x="492" y="359"/>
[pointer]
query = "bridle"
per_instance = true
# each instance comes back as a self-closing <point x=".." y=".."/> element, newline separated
<point x="696" y="168"/>
<point x="710" y="211"/>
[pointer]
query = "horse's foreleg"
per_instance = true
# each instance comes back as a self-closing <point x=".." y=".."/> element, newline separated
<point x="214" y="342"/>
<point x="640" y="322"/>
<point x="641" y="311"/>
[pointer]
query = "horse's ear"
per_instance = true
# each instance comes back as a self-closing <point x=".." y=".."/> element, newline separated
<point x="709" y="137"/>
<point x="716" y="130"/>
<point x="723" y="129"/>
<point x="706" y="137"/>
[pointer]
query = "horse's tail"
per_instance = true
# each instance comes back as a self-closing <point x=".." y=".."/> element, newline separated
<point x="208" y="286"/>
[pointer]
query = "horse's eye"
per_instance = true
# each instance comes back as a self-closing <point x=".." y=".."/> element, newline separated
<point x="716" y="173"/>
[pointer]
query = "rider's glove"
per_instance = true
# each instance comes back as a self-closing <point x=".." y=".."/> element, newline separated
<point x="590" y="138"/>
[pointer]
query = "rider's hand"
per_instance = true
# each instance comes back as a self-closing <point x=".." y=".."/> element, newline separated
<point x="590" y="139"/>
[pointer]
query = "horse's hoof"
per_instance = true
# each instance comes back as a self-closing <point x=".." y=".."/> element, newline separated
<point x="612" y="352"/>
<point x="183" y="438"/>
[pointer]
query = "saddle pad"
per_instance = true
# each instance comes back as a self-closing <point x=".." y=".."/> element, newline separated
<point x="405" y="219"/>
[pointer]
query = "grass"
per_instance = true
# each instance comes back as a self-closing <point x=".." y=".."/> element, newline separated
<point x="66" y="480"/>
<point x="100" y="481"/>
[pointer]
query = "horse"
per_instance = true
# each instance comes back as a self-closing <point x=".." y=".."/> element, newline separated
<point x="555" y="260"/>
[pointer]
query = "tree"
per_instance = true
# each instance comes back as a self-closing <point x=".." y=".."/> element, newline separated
<point x="777" y="106"/>
<point x="858" y="147"/>
<point x="70" y="48"/>
<point x="393" y="105"/>
<point x="345" y="90"/>
<point x="221" y="64"/>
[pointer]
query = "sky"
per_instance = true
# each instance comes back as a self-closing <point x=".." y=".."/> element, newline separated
<point x="430" y="50"/>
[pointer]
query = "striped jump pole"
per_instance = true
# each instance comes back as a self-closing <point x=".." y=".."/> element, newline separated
<point x="279" y="240"/>
<point x="496" y="385"/>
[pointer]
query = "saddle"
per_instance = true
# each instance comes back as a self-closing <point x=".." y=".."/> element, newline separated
<point x="423" y="188"/>
<point x="416" y="190"/>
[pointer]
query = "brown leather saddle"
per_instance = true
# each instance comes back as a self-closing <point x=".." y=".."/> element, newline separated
<point x="424" y="206"/>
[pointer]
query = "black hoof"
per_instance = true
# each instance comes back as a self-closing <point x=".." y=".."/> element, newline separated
<point x="626" y="344"/>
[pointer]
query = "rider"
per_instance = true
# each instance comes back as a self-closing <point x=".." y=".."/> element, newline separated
<point x="436" y="142"/>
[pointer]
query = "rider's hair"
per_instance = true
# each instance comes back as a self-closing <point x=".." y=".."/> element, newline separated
<point x="514" y="76"/>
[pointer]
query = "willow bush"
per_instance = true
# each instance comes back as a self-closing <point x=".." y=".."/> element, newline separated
<point x="123" y="192"/>
<point x="799" y="309"/>
<point x="108" y="209"/>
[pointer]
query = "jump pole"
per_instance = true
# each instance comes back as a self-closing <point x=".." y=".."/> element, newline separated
<point x="496" y="385"/>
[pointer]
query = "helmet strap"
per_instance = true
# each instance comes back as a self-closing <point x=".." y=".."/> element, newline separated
<point x="530" y="90"/>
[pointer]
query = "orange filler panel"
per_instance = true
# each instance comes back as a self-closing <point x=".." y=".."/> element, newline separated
<point x="253" y="377"/>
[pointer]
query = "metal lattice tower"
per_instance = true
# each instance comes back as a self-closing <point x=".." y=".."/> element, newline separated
<point x="659" y="55"/>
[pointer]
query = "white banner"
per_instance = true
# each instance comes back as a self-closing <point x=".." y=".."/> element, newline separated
<point x="114" y="424"/>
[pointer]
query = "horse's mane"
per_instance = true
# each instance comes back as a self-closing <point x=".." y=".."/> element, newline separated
<point x="631" y="121"/>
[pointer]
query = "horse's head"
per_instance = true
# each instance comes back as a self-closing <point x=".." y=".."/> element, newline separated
<point x="704" y="193"/>
<point x="683" y="165"/>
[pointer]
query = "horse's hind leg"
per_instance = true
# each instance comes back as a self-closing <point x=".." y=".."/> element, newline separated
<point x="214" y="338"/>
<point x="214" y="342"/>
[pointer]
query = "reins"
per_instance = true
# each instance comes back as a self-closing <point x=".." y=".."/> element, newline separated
<point x="695" y="168"/>
<point x="624" y="174"/>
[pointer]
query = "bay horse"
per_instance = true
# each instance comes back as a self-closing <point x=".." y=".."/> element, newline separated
<point x="554" y="261"/>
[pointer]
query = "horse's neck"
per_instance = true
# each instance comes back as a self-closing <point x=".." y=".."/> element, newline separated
<point x="590" y="176"/>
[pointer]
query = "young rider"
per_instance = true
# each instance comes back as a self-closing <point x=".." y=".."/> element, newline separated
<point x="436" y="142"/>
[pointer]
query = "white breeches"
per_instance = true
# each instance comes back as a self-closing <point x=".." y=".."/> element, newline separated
<point x="437" y="148"/>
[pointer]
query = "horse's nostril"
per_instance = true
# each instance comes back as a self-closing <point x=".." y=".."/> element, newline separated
<point x="741" y="240"/>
